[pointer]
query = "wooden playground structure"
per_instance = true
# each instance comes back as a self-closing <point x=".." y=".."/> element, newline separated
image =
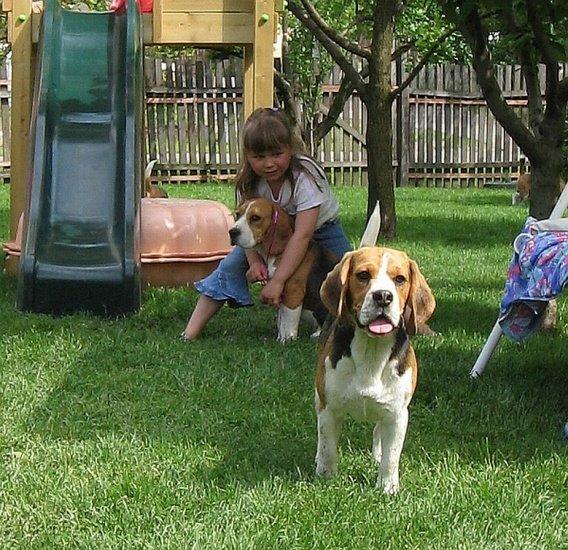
<point x="201" y="23"/>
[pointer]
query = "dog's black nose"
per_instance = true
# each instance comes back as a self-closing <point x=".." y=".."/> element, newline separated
<point x="234" y="234"/>
<point x="382" y="297"/>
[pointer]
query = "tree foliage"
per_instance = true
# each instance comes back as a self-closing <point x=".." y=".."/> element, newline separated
<point x="533" y="34"/>
<point x="359" y="36"/>
<point x="418" y="28"/>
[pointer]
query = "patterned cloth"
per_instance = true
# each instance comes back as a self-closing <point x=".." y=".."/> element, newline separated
<point x="537" y="273"/>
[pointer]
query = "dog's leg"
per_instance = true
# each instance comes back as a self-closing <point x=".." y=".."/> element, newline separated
<point x="329" y="429"/>
<point x="392" y="439"/>
<point x="377" y="443"/>
<point x="288" y="321"/>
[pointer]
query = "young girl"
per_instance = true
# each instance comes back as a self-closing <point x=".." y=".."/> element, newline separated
<point x="272" y="168"/>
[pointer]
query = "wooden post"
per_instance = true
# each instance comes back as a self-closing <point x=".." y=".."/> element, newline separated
<point x="20" y="25"/>
<point x="259" y="66"/>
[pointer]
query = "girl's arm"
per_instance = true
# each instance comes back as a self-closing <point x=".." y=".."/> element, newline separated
<point x="257" y="270"/>
<point x="292" y="257"/>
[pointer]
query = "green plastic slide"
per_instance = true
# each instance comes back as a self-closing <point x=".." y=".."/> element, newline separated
<point x="80" y="250"/>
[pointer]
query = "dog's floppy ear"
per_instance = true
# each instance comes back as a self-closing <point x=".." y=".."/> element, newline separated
<point x="334" y="289"/>
<point x="421" y="303"/>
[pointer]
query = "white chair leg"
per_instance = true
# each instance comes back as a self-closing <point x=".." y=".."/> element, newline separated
<point x="488" y="348"/>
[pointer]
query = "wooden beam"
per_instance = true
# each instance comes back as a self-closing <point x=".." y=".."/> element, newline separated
<point x="220" y="6"/>
<point x="157" y="21"/>
<point x="22" y="94"/>
<point x="148" y="28"/>
<point x="205" y="28"/>
<point x="248" y="80"/>
<point x="264" y="59"/>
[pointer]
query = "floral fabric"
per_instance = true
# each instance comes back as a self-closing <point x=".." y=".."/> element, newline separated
<point x="537" y="273"/>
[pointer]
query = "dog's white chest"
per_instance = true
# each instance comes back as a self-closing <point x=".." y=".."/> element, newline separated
<point x="366" y="392"/>
<point x="271" y="266"/>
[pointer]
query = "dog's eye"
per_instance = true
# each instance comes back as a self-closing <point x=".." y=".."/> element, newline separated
<point x="254" y="218"/>
<point x="400" y="280"/>
<point x="363" y="276"/>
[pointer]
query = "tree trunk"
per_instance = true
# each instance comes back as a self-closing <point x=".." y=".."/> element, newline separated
<point x="379" y="119"/>
<point x="379" y="161"/>
<point x="545" y="183"/>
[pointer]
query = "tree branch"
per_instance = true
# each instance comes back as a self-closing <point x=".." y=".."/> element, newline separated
<point x="542" y="42"/>
<point x="335" y="109"/>
<point x="332" y="48"/>
<point x="401" y="50"/>
<point x="472" y="29"/>
<point x="345" y="91"/>
<point x="416" y="69"/>
<point x="339" y="39"/>
<point x="529" y="66"/>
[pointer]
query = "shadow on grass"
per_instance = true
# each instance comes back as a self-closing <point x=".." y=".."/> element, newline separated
<point x="236" y="391"/>
<point x="250" y="399"/>
<point x="240" y="393"/>
<point x="515" y="410"/>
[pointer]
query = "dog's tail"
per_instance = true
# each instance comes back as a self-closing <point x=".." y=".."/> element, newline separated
<point x="147" y="174"/>
<point x="371" y="233"/>
<point x="153" y="190"/>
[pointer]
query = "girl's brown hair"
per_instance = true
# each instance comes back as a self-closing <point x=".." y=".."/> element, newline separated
<point x="266" y="130"/>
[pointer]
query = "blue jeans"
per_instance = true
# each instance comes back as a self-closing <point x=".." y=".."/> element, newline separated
<point x="228" y="283"/>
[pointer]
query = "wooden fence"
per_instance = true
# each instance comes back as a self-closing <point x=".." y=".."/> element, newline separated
<point x="193" y="116"/>
<point x="443" y="132"/>
<point x="4" y="123"/>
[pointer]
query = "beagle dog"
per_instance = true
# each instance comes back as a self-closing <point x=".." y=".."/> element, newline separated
<point x="523" y="191"/>
<point x="263" y="226"/>
<point x="366" y="365"/>
<point x="153" y="190"/>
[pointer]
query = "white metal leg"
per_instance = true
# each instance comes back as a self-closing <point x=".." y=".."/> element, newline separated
<point x="488" y="348"/>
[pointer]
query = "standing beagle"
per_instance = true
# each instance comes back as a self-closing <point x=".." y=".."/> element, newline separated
<point x="366" y="365"/>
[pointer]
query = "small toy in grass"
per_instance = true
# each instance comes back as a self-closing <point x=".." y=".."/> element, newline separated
<point x="566" y="430"/>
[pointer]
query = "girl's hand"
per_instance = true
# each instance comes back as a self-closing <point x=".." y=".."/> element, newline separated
<point x="272" y="293"/>
<point x="257" y="272"/>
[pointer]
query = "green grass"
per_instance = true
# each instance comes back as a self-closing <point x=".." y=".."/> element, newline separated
<point x="114" y="434"/>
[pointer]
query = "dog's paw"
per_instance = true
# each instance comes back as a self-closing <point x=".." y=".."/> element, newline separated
<point x="316" y="334"/>
<point x="325" y="470"/>
<point x="283" y="338"/>
<point x="389" y="485"/>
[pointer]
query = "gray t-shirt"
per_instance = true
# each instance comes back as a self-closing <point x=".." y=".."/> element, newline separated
<point x="311" y="189"/>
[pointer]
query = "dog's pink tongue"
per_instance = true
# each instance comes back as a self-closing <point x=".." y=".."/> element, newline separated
<point x="380" y="326"/>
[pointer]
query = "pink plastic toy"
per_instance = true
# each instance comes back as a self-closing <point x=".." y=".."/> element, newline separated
<point x="120" y="5"/>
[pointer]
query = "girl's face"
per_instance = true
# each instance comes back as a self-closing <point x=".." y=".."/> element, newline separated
<point x="271" y="165"/>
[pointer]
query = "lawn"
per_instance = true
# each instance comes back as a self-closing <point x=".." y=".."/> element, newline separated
<point x="115" y="434"/>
